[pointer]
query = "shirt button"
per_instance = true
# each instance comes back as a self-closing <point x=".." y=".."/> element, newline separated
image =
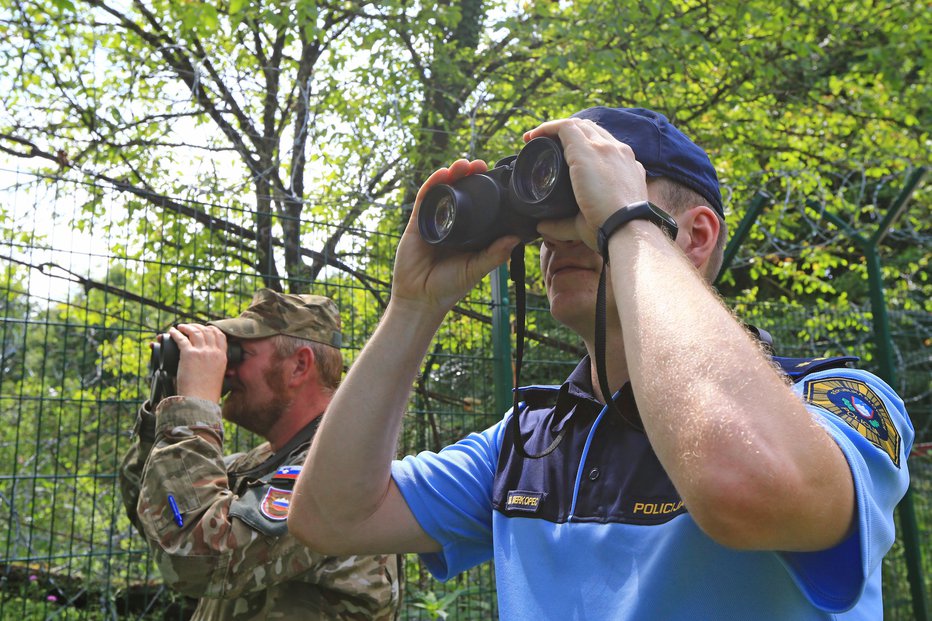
<point x="594" y="474"/>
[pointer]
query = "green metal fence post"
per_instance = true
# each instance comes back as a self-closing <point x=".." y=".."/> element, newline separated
<point x="757" y="205"/>
<point x="906" y="509"/>
<point x="887" y="370"/>
<point x="503" y="377"/>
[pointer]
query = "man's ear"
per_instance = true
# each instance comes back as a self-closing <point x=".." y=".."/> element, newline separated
<point x="698" y="234"/>
<point x="304" y="367"/>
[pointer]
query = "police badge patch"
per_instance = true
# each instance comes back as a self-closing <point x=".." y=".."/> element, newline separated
<point x="860" y="407"/>
<point x="275" y="504"/>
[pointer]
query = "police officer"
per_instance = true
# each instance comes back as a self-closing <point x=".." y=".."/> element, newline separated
<point x="217" y="524"/>
<point x="698" y="481"/>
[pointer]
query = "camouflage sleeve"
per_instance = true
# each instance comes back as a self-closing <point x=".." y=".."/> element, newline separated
<point x="209" y="542"/>
<point x="135" y="460"/>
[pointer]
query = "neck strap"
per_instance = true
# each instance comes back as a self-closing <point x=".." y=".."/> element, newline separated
<point x="279" y="457"/>
<point x="600" y="304"/>
<point x="518" y="276"/>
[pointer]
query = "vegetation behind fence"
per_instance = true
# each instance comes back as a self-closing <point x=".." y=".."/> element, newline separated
<point x="82" y="293"/>
<point x="181" y="154"/>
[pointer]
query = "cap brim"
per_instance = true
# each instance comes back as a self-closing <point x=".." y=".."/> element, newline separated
<point x="243" y="327"/>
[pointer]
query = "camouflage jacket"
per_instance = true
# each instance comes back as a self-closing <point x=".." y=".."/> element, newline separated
<point x="222" y="536"/>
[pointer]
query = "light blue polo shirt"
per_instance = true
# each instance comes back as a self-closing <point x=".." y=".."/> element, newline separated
<point x="595" y="531"/>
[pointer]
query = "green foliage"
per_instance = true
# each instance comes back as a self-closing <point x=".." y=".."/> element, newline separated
<point x="437" y="607"/>
<point x="209" y="148"/>
<point x="468" y="597"/>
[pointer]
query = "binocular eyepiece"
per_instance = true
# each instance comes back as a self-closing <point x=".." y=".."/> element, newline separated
<point x="163" y="365"/>
<point x="509" y="199"/>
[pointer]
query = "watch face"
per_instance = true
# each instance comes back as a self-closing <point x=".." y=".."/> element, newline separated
<point x="658" y="216"/>
<point x="666" y="228"/>
<point x="664" y="220"/>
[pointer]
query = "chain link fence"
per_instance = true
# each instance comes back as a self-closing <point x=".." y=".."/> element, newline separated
<point x="89" y="278"/>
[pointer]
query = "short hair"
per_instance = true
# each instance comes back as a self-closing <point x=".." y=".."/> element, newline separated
<point x="327" y="359"/>
<point x="677" y="198"/>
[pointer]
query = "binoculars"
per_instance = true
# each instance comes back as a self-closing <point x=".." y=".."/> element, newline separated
<point x="509" y="199"/>
<point x="163" y="366"/>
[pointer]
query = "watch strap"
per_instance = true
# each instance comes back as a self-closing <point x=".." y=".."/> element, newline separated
<point x="641" y="210"/>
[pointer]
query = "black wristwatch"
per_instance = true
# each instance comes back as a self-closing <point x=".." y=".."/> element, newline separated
<point x="642" y="210"/>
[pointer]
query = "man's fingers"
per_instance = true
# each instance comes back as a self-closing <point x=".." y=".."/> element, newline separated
<point x="197" y="335"/>
<point x="456" y="171"/>
<point x="493" y="255"/>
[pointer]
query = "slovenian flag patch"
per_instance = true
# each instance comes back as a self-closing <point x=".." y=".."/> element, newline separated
<point x="287" y="473"/>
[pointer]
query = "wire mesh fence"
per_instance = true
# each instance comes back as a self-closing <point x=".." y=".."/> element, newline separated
<point x="89" y="278"/>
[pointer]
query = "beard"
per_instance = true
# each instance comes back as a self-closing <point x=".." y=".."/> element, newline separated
<point x="258" y="416"/>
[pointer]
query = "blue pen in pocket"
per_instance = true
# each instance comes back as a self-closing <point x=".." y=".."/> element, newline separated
<point x="174" y="505"/>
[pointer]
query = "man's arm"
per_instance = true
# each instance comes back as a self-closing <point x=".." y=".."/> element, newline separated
<point x="134" y="461"/>
<point x="345" y="499"/>
<point x="752" y="466"/>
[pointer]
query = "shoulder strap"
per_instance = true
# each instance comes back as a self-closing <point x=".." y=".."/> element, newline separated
<point x="798" y="368"/>
<point x="279" y="457"/>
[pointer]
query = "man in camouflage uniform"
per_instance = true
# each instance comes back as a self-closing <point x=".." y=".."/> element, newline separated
<point x="217" y="525"/>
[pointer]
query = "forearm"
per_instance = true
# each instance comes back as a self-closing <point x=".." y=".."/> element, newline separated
<point x="182" y="480"/>
<point x="749" y="461"/>
<point x="344" y="499"/>
<point x="347" y="473"/>
<point x="197" y="554"/>
<point x="134" y="462"/>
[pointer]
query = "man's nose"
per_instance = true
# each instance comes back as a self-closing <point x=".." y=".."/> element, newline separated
<point x="556" y="243"/>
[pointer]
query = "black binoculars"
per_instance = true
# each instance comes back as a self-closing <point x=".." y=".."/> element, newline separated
<point x="163" y="365"/>
<point x="509" y="199"/>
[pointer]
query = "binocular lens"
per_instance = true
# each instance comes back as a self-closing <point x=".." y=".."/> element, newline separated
<point x="544" y="172"/>
<point x="444" y="216"/>
<point x="465" y="216"/>
<point x="540" y="182"/>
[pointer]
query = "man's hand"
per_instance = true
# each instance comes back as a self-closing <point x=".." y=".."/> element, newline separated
<point x="434" y="279"/>
<point x="203" y="360"/>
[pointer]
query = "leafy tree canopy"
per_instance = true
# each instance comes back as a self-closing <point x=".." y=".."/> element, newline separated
<point x="282" y="127"/>
<point x="214" y="146"/>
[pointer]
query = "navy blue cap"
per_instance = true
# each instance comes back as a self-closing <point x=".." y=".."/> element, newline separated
<point x="663" y="150"/>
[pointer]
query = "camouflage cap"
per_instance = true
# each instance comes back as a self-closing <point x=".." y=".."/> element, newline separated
<point x="312" y="317"/>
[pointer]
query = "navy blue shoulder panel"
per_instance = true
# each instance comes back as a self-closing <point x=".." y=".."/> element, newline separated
<point x="621" y="479"/>
<point x="539" y="395"/>
<point x="798" y="368"/>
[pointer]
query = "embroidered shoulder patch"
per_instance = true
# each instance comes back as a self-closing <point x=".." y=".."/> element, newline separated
<point x="275" y="504"/>
<point x="860" y="407"/>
